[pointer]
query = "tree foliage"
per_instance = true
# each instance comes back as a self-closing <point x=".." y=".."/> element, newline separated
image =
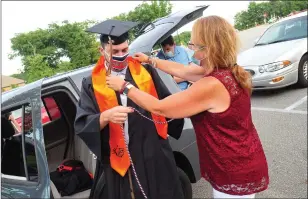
<point x="274" y="8"/>
<point x="20" y="75"/>
<point x="44" y="51"/>
<point x="182" y="38"/>
<point x="37" y="67"/>
<point x="65" y="46"/>
<point x="146" y="13"/>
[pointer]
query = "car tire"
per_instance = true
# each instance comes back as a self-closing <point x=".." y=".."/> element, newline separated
<point x="185" y="183"/>
<point x="302" y="72"/>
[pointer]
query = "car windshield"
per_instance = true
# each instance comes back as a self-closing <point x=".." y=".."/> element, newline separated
<point x="285" y="31"/>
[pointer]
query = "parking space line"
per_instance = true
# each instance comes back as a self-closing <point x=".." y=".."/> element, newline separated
<point x="296" y="104"/>
<point x="279" y="110"/>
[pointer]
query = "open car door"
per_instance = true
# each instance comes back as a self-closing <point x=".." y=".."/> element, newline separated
<point x="24" y="168"/>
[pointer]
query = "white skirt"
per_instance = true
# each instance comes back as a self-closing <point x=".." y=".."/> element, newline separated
<point x="218" y="194"/>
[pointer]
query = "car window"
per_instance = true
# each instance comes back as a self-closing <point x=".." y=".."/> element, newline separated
<point x="285" y="31"/>
<point x="17" y="144"/>
<point x="50" y="110"/>
<point x="55" y="127"/>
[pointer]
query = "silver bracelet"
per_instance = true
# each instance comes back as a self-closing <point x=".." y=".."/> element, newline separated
<point x="153" y="61"/>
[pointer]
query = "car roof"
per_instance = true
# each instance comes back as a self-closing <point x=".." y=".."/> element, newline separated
<point x="301" y="14"/>
<point x="13" y="93"/>
<point x="71" y="73"/>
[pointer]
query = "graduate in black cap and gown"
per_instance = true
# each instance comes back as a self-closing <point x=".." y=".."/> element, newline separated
<point x="101" y="112"/>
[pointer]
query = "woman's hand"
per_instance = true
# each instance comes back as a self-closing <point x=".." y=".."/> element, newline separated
<point x="141" y="57"/>
<point x="115" y="82"/>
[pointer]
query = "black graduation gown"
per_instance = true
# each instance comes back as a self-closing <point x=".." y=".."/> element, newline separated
<point x="152" y="156"/>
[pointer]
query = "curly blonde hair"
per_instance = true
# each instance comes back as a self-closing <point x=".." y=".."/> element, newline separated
<point x="221" y="47"/>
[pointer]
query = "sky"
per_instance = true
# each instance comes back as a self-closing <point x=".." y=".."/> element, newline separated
<point x="25" y="16"/>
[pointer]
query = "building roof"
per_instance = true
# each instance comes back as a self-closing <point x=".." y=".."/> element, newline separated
<point x="8" y="81"/>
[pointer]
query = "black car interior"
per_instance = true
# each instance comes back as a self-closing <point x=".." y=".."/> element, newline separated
<point x="12" y="160"/>
<point x="61" y="142"/>
<point x="10" y="147"/>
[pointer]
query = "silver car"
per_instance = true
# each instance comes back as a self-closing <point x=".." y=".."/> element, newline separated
<point x="279" y="57"/>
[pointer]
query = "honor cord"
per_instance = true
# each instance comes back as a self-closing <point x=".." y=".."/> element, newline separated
<point x="130" y="158"/>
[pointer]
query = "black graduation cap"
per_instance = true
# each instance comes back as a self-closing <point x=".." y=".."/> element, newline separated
<point x="117" y="30"/>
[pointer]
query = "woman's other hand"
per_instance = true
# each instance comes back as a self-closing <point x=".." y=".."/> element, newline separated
<point x="141" y="57"/>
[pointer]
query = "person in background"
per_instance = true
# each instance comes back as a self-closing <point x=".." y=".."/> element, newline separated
<point x="231" y="155"/>
<point x="170" y="51"/>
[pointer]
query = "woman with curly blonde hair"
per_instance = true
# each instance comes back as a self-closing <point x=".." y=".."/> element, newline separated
<point x="231" y="155"/>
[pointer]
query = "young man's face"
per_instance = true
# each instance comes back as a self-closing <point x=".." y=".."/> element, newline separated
<point x="117" y="50"/>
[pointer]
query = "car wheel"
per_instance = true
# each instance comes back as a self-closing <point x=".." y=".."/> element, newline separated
<point x="186" y="185"/>
<point x="303" y="72"/>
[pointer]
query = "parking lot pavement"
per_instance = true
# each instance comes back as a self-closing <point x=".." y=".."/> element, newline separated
<point x="302" y="107"/>
<point x="280" y="117"/>
<point x="281" y="98"/>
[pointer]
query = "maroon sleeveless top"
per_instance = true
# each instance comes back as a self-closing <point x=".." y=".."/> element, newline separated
<point x="230" y="152"/>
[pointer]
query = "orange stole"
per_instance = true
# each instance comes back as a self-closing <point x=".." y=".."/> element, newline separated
<point x="106" y="99"/>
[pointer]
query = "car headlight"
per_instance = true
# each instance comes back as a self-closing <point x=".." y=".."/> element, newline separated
<point x="274" y="66"/>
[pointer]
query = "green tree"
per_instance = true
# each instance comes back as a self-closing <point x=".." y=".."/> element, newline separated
<point x="36" y="67"/>
<point x="58" y="41"/>
<point x="20" y="75"/>
<point x="14" y="86"/>
<point x="241" y="20"/>
<point x="255" y="12"/>
<point x="74" y="43"/>
<point x="182" y="38"/>
<point x="51" y="45"/>
<point x="43" y="51"/>
<point x="146" y="13"/>
<point x="64" y="66"/>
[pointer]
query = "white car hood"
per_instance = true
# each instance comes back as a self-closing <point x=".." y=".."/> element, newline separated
<point x="260" y="55"/>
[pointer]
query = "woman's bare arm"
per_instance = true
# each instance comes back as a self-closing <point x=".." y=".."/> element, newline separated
<point x="197" y="98"/>
<point x="191" y="72"/>
<point x="178" y="80"/>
